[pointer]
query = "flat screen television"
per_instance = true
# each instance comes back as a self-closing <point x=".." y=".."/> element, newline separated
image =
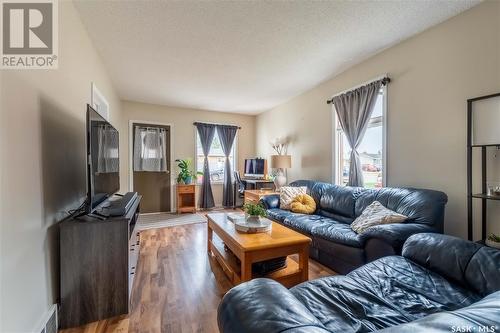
<point x="255" y="167"/>
<point x="103" y="177"/>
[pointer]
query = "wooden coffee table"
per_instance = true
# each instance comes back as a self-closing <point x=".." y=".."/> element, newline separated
<point x="251" y="248"/>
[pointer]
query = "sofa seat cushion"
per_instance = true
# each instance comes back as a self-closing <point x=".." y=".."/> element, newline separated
<point x="306" y="223"/>
<point x="415" y="289"/>
<point x="387" y="292"/>
<point x="481" y="316"/>
<point x="338" y="232"/>
<point x="278" y="214"/>
<point x="341" y="306"/>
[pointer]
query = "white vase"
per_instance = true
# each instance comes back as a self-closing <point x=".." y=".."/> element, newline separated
<point x="279" y="181"/>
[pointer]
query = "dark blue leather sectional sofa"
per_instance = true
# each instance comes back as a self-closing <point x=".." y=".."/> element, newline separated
<point x="335" y="244"/>
<point x="440" y="284"/>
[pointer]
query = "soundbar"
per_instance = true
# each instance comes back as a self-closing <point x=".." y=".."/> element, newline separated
<point x="121" y="206"/>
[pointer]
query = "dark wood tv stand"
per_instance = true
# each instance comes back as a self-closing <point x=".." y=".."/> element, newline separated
<point x="97" y="266"/>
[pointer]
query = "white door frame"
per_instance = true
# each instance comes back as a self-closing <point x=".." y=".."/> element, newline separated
<point x="131" y="156"/>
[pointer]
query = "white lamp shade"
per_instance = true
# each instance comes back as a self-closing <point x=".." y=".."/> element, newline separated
<point x="281" y="161"/>
<point x="485" y="120"/>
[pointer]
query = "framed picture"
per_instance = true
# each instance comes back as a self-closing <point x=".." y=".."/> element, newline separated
<point x="99" y="102"/>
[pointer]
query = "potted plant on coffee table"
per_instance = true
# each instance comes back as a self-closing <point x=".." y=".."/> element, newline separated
<point x="253" y="212"/>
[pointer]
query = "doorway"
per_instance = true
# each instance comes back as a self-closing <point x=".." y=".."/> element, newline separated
<point x="151" y="166"/>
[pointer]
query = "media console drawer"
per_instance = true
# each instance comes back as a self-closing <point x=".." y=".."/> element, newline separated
<point x="185" y="188"/>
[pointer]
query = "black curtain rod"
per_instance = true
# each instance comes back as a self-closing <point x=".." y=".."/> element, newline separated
<point x="385" y="81"/>
<point x="196" y="123"/>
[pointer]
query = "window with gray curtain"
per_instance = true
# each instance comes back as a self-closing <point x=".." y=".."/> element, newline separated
<point x="216" y="159"/>
<point x="359" y="150"/>
<point x="150" y="149"/>
<point x="206" y="132"/>
<point x="227" y="136"/>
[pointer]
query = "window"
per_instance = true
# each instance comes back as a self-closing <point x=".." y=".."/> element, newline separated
<point x="371" y="150"/>
<point x="216" y="158"/>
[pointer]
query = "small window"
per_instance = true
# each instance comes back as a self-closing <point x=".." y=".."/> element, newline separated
<point x="371" y="150"/>
<point x="216" y="159"/>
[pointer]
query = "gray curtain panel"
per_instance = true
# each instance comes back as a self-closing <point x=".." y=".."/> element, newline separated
<point x="206" y="133"/>
<point x="354" y="110"/>
<point x="227" y="134"/>
<point x="150" y="149"/>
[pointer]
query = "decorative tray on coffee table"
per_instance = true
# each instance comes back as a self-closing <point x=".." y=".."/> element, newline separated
<point x="241" y="224"/>
<point x="263" y="225"/>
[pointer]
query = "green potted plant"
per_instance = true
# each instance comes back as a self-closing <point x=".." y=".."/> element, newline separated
<point x="186" y="174"/>
<point x="253" y="212"/>
<point x="493" y="241"/>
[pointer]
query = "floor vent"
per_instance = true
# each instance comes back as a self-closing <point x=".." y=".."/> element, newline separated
<point x="50" y="325"/>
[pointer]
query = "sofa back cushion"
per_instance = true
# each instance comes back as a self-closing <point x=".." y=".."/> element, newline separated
<point x="314" y="189"/>
<point x="469" y="264"/>
<point x="338" y="202"/>
<point x="333" y="201"/>
<point x="344" y="204"/>
<point x="419" y="205"/>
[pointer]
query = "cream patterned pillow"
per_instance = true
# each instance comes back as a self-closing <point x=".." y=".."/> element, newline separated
<point x="288" y="193"/>
<point x="375" y="214"/>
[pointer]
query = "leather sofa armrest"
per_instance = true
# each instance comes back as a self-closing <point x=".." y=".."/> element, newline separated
<point x="264" y="305"/>
<point x="395" y="234"/>
<point x="452" y="257"/>
<point x="270" y="201"/>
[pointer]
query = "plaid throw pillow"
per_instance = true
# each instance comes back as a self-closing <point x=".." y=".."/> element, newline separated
<point x="375" y="214"/>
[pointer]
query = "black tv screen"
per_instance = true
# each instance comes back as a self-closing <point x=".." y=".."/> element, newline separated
<point x="103" y="162"/>
<point x="254" y="167"/>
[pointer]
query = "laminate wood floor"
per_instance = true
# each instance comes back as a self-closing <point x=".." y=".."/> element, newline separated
<point x="178" y="286"/>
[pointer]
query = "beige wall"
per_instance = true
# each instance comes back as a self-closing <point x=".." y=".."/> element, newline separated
<point x="433" y="74"/>
<point x="42" y="144"/>
<point x="183" y="137"/>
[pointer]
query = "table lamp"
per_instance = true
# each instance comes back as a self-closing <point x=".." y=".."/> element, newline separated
<point x="280" y="162"/>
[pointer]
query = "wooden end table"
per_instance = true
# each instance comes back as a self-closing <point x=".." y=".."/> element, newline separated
<point x="251" y="248"/>
<point x="186" y="199"/>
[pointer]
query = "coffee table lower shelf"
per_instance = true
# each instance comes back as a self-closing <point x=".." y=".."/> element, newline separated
<point x="288" y="276"/>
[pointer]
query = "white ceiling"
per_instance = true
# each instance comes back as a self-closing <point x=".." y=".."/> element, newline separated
<point x="245" y="56"/>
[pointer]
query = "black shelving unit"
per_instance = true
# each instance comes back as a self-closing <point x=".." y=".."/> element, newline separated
<point x="483" y="196"/>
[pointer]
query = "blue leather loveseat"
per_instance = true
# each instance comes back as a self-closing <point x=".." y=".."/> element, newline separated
<point x="440" y="284"/>
<point x="335" y="244"/>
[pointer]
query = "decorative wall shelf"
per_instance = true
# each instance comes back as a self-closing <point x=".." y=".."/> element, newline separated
<point x="486" y="114"/>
